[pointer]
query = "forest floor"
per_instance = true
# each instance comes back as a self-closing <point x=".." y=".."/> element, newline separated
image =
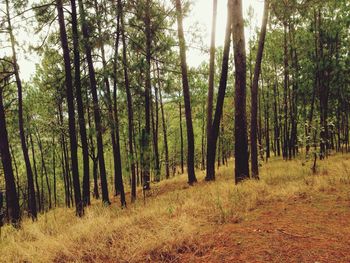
<point x="290" y="215"/>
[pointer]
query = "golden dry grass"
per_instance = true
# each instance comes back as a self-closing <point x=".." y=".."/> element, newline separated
<point x="173" y="214"/>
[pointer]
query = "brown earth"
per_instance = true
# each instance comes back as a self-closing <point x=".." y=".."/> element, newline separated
<point x="305" y="228"/>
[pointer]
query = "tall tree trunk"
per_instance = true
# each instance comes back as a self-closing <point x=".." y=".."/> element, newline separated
<point x="285" y="95"/>
<point x="119" y="187"/>
<point x="155" y="123"/>
<point x="71" y="113"/>
<point x="96" y="107"/>
<point x="18" y="188"/>
<point x="10" y="185"/>
<point x="241" y="140"/>
<point x="165" y="135"/>
<point x="181" y="139"/>
<point x="323" y="90"/>
<point x="254" y="95"/>
<point x="31" y="192"/>
<point x="276" y="119"/>
<point x="81" y="118"/>
<point x="211" y="76"/>
<point x="43" y="166"/>
<point x="267" y="122"/>
<point x="186" y="93"/>
<point x="65" y="164"/>
<point x="54" y="170"/>
<point x="38" y="197"/>
<point x="119" y="179"/>
<point x="212" y="139"/>
<point x="147" y="130"/>
<point x="129" y="104"/>
<point x="93" y="156"/>
<point x="203" y="134"/>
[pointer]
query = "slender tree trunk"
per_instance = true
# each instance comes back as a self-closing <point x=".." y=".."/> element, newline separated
<point x="315" y="87"/>
<point x="31" y="192"/>
<point x="81" y="118"/>
<point x="18" y="188"/>
<point x="119" y="187"/>
<point x="155" y="123"/>
<point x="276" y="119"/>
<point x="165" y="135"/>
<point x="38" y="197"/>
<point x="254" y="95"/>
<point x="186" y="93"/>
<point x="285" y="95"/>
<point x="203" y="134"/>
<point x="119" y="179"/>
<point x="93" y="156"/>
<point x="241" y="140"/>
<point x="65" y="163"/>
<point x="10" y="185"/>
<point x="96" y="107"/>
<point x="54" y="170"/>
<point x="211" y="76"/>
<point x="129" y="104"/>
<point x="181" y="139"/>
<point x="71" y="113"/>
<point x="211" y="143"/>
<point x="43" y="165"/>
<point x="323" y="91"/>
<point x="267" y="122"/>
<point x="147" y="130"/>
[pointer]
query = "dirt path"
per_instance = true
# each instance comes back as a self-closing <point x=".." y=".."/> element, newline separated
<point x="304" y="228"/>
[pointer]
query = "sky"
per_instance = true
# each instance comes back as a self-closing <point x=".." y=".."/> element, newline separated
<point x="200" y="14"/>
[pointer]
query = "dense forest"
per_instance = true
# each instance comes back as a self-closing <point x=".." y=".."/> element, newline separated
<point x="114" y="108"/>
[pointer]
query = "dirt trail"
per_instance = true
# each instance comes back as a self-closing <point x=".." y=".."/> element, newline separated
<point x="303" y="228"/>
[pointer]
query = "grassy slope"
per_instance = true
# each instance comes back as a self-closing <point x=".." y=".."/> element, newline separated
<point x="274" y="219"/>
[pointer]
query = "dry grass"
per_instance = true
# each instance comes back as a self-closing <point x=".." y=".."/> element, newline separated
<point x="175" y="213"/>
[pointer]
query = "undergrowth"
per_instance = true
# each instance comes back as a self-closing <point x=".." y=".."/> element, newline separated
<point x="174" y="214"/>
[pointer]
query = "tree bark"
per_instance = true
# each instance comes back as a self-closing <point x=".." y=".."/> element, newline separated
<point x="165" y="135"/>
<point x="80" y="106"/>
<point x="241" y="140"/>
<point x="31" y="192"/>
<point x="285" y="96"/>
<point x="96" y="107"/>
<point x="211" y="76"/>
<point x="181" y="139"/>
<point x="10" y="185"/>
<point x="129" y="104"/>
<point x="119" y="184"/>
<point x="43" y="166"/>
<point x="254" y="95"/>
<point x="186" y="93"/>
<point x="212" y="139"/>
<point x="71" y="113"/>
<point x="147" y="130"/>
<point x="119" y="187"/>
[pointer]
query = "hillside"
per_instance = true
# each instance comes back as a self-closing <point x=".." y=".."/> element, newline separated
<point x="290" y="215"/>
